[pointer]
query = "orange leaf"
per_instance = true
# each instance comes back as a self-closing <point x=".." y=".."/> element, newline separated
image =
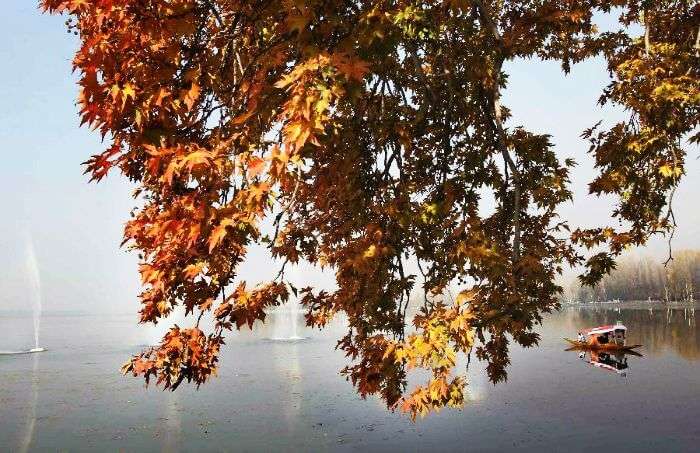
<point x="191" y="95"/>
<point x="255" y="166"/>
<point x="218" y="234"/>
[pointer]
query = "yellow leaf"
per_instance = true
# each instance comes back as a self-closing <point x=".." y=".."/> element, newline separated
<point x="114" y="91"/>
<point x="465" y="297"/>
<point x="128" y="91"/>
<point x="196" y="158"/>
<point x="371" y="251"/>
<point x="666" y="170"/>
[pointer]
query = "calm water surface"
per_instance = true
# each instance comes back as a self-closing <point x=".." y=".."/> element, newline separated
<point x="277" y="396"/>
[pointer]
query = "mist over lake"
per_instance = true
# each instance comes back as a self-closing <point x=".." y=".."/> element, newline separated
<point x="288" y="396"/>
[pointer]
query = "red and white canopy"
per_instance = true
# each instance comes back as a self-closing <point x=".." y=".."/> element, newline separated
<point x="604" y="329"/>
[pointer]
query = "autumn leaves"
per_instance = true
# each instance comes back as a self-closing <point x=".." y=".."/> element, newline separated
<point x="369" y="133"/>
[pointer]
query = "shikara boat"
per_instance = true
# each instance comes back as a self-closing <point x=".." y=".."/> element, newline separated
<point x="603" y="338"/>
<point x="601" y="347"/>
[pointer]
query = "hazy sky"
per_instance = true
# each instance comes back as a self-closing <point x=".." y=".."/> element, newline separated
<point x="76" y="227"/>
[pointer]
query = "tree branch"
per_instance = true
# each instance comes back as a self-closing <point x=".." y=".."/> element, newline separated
<point x="285" y="209"/>
<point x="214" y="11"/>
<point x="647" y="40"/>
<point x="487" y="21"/>
<point x="670" y="215"/>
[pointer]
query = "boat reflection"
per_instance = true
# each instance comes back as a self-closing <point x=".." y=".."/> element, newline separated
<point x="612" y="361"/>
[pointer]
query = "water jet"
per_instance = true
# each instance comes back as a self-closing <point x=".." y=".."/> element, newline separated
<point x="287" y="325"/>
<point x="286" y="328"/>
<point x="34" y="278"/>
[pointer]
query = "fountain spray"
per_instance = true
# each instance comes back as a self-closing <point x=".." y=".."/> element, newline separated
<point x="34" y="291"/>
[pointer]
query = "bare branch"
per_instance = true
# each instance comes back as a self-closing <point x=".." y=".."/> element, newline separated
<point x="670" y="238"/>
<point x="670" y="215"/>
<point x="515" y="175"/>
<point x="281" y="271"/>
<point x="425" y="280"/>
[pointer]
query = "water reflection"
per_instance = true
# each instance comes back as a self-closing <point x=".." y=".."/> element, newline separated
<point x="287" y="365"/>
<point x="615" y="362"/>
<point x="29" y="426"/>
<point x="173" y="423"/>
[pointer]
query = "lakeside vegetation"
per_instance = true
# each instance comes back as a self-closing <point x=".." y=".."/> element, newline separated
<point x="644" y="278"/>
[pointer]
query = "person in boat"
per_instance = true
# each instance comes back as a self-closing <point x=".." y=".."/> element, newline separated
<point x="602" y="336"/>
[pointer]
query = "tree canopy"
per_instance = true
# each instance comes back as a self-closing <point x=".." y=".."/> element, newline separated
<point x="369" y="134"/>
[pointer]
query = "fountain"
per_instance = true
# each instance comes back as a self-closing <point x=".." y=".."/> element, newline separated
<point x="34" y="295"/>
<point x="286" y="326"/>
<point x="34" y="292"/>
<point x="287" y="322"/>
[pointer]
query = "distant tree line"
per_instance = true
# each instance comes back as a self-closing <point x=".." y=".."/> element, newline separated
<point x="643" y="279"/>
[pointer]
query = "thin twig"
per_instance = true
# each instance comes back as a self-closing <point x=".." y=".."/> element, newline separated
<point x="281" y="271"/>
<point x="670" y="214"/>
<point x="290" y="205"/>
<point x="425" y="282"/>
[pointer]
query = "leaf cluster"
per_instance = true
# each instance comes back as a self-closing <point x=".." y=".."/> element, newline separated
<point x="371" y="135"/>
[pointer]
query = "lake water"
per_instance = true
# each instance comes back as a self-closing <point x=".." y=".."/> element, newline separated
<point x="288" y="396"/>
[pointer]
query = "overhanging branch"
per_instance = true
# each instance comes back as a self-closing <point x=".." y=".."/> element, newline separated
<point x="487" y="21"/>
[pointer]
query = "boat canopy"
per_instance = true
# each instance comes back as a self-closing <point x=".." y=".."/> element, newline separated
<point x="604" y="329"/>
